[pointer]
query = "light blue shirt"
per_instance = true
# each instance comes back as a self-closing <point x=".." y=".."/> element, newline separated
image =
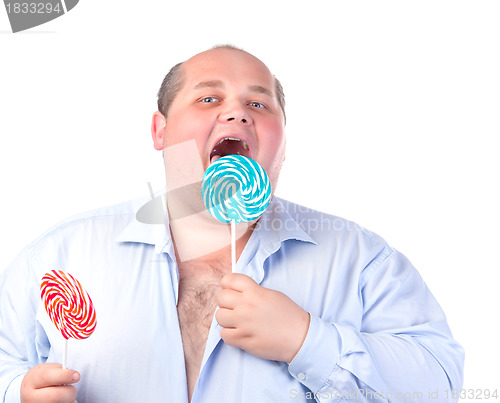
<point x="376" y="332"/>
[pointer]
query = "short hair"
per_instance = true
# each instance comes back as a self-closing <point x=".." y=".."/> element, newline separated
<point x="171" y="85"/>
<point x="173" y="81"/>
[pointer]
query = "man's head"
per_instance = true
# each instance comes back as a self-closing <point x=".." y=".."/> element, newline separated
<point x="228" y="102"/>
<point x="172" y="83"/>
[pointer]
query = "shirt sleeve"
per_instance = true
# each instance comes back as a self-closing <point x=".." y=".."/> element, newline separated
<point x="402" y="352"/>
<point x="18" y="290"/>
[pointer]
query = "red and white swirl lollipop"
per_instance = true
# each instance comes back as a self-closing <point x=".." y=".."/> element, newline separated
<point x="69" y="306"/>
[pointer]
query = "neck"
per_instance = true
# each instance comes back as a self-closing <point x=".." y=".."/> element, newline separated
<point x="202" y="237"/>
<point x="222" y="255"/>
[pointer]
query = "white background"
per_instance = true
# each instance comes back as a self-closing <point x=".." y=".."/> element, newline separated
<point x="393" y="109"/>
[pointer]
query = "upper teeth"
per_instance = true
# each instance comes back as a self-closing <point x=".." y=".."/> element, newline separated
<point x="245" y="145"/>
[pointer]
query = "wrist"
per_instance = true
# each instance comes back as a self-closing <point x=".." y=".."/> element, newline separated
<point x="302" y="327"/>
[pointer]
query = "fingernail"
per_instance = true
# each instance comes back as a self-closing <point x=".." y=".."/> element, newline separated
<point x="75" y="377"/>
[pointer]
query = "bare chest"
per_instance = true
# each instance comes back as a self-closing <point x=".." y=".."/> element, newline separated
<point x="199" y="284"/>
<point x="196" y="304"/>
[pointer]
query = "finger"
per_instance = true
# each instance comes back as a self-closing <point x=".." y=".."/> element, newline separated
<point x="56" y="394"/>
<point x="226" y="318"/>
<point x="52" y="375"/>
<point x="233" y="337"/>
<point x="228" y="298"/>
<point x="237" y="281"/>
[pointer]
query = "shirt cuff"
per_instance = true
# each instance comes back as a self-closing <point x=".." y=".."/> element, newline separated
<point x="318" y="356"/>
<point x="13" y="394"/>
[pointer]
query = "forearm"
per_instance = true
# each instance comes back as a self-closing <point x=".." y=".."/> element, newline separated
<point x="339" y="362"/>
<point x="11" y="375"/>
<point x="12" y="392"/>
<point x="17" y="326"/>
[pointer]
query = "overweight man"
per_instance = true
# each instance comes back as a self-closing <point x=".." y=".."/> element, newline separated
<point x="318" y="308"/>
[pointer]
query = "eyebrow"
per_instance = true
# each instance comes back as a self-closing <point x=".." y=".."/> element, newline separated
<point x="261" y="90"/>
<point x="209" y="84"/>
<point x="219" y="84"/>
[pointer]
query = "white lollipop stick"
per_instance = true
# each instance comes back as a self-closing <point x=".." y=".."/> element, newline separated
<point x="65" y="355"/>
<point x="233" y="246"/>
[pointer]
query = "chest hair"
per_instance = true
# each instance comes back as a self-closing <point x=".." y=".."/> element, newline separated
<point x="199" y="283"/>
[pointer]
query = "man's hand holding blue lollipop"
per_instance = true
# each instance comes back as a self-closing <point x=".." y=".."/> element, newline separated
<point x="263" y="322"/>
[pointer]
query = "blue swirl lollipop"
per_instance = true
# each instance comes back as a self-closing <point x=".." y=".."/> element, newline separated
<point x="236" y="188"/>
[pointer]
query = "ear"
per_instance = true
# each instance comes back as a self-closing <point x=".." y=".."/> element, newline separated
<point x="158" y="125"/>
<point x="284" y="148"/>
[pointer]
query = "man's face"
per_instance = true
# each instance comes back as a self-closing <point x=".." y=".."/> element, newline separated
<point x="228" y="105"/>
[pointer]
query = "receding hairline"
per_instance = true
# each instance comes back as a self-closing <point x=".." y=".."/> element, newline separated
<point x="273" y="92"/>
<point x="229" y="48"/>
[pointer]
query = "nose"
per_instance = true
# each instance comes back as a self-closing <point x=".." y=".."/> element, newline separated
<point x="235" y="113"/>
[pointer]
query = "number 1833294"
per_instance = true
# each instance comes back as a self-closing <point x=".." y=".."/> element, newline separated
<point x="33" y="8"/>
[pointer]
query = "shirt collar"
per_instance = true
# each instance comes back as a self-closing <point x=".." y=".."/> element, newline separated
<point x="150" y="225"/>
<point x="278" y="225"/>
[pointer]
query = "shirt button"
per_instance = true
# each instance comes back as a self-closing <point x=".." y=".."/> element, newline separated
<point x="301" y="376"/>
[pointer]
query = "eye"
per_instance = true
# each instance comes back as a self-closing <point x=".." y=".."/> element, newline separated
<point x="256" y="104"/>
<point x="209" y="100"/>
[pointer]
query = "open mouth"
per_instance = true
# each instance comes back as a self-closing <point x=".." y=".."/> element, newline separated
<point x="229" y="146"/>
